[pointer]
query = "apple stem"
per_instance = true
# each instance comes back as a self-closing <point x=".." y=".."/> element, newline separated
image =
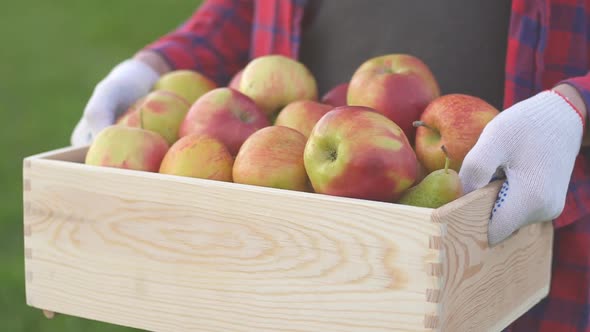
<point x="447" y="160"/>
<point x="421" y="124"/>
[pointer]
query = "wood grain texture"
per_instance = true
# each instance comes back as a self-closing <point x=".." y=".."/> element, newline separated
<point x="71" y="154"/>
<point x="166" y="253"/>
<point x="485" y="289"/>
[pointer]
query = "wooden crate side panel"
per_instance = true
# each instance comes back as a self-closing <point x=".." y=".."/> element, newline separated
<point x="71" y="154"/>
<point x="166" y="253"/>
<point x="486" y="289"/>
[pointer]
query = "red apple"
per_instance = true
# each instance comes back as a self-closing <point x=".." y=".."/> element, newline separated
<point x="421" y="173"/>
<point x="337" y="95"/>
<point x="235" y="81"/>
<point x="273" y="81"/>
<point x="455" y="121"/>
<point x="399" y="86"/>
<point x="198" y="156"/>
<point x="354" y="151"/>
<point x="127" y="147"/>
<point x="272" y="157"/>
<point x="302" y="115"/>
<point x="225" y="114"/>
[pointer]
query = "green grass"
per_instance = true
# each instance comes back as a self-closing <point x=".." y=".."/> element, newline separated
<point x="52" y="53"/>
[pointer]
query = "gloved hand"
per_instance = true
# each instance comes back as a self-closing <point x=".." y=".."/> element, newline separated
<point x="534" y="143"/>
<point x="127" y="82"/>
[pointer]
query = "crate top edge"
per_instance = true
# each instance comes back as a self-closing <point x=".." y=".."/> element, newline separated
<point x="48" y="160"/>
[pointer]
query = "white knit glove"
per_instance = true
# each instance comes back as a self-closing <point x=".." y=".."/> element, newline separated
<point x="127" y="82"/>
<point x="534" y="143"/>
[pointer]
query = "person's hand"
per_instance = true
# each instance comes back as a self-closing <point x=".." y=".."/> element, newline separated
<point x="534" y="144"/>
<point x="126" y="83"/>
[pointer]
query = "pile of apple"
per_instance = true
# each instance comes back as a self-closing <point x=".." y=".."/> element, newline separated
<point x="386" y="135"/>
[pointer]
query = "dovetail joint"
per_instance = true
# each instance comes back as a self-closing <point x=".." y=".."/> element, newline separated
<point x="433" y="295"/>
<point x="27" y="230"/>
<point x="431" y="321"/>
<point x="435" y="269"/>
<point x="435" y="242"/>
<point x="27" y="207"/>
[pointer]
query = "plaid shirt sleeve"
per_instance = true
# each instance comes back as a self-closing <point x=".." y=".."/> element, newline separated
<point x="549" y="44"/>
<point x="214" y="41"/>
<point x="277" y="27"/>
<point x="578" y="200"/>
<point x="582" y="85"/>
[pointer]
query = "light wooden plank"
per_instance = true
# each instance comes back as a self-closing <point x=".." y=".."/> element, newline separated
<point x="166" y="253"/>
<point x="486" y="289"/>
<point x="74" y="154"/>
<point x="169" y="253"/>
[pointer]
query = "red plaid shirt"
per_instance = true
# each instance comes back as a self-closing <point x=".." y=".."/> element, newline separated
<point x="549" y="42"/>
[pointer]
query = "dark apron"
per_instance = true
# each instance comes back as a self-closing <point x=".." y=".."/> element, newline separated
<point x="462" y="41"/>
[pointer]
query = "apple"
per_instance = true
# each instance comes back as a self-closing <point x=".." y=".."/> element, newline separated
<point x="226" y="114"/>
<point x="198" y="156"/>
<point x="130" y="117"/>
<point x="127" y="147"/>
<point x="273" y="81"/>
<point x="421" y="173"/>
<point x="455" y="121"/>
<point x="272" y="157"/>
<point x="235" y="81"/>
<point x="163" y="111"/>
<point x="188" y="84"/>
<point x="302" y="115"/>
<point x="399" y="86"/>
<point x="160" y="111"/>
<point x="355" y="151"/>
<point x="337" y="95"/>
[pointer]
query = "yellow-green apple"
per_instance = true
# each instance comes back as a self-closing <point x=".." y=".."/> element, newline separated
<point x="455" y="121"/>
<point x="226" y="114"/>
<point x="198" y="156"/>
<point x="337" y="95"/>
<point x="355" y="151"/>
<point x="188" y="84"/>
<point x="272" y="157"/>
<point x="302" y="115"/>
<point x="273" y="81"/>
<point x="235" y="81"/>
<point x="160" y="111"/>
<point x="127" y="147"/>
<point x="399" y="86"/>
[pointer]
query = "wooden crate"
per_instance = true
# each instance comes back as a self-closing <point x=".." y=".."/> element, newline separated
<point x="169" y="253"/>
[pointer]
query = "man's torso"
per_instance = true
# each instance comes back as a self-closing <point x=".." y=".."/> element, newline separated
<point x="462" y="41"/>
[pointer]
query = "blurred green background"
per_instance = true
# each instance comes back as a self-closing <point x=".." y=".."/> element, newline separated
<point x="52" y="54"/>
